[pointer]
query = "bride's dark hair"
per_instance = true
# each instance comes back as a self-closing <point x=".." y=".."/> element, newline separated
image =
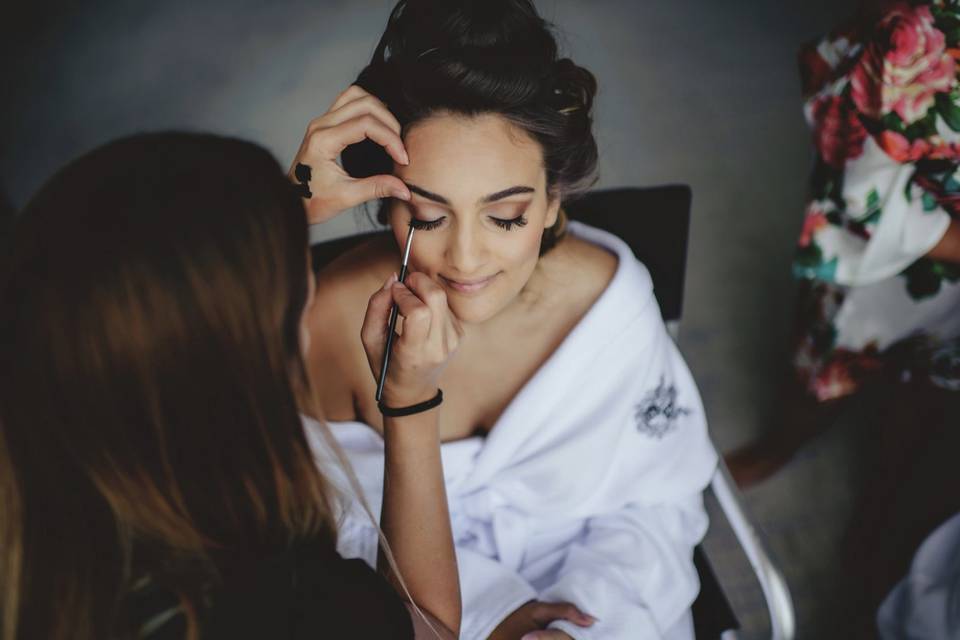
<point x="472" y="57"/>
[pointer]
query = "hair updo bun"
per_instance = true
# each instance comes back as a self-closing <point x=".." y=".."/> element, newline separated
<point x="484" y="56"/>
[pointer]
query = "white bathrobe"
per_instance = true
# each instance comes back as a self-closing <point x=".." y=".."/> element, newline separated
<point x="588" y="487"/>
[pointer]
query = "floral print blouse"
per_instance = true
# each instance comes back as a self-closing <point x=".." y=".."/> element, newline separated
<point x="883" y="103"/>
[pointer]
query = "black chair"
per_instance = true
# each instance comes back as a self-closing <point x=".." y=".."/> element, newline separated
<point x="7" y="217"/>
<point x="655" y="223"/>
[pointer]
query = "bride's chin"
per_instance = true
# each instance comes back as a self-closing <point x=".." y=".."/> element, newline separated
<point x="473" y="311"/>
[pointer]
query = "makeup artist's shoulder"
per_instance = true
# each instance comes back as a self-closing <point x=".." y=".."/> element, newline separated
<point x="349" y="280"/>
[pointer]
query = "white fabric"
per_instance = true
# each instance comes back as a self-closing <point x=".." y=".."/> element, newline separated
<point x="905" y="231"/>
<point x="883" y="313"/>
<point x="925" y="605"/>
<point x="587" y="489"/>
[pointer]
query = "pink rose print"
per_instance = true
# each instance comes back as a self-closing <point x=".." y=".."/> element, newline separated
<point x="813" y="222"/>
<point x="837" y="132"/>
<point x="818" y="60"/>
<point x="902" y="69"/>
<point x="901" y="149"/>
<point x="814" y="70"/>
<point x="845" y="372"/>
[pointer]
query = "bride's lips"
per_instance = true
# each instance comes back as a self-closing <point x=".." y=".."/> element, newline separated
<point x="468" y="286"/>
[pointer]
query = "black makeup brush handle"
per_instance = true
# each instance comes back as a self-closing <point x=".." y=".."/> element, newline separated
<point x="391" y="331"/>
<point x="394" y="312"/>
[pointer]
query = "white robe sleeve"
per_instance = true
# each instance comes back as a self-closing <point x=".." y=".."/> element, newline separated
<point x="633" y="568"/>
<point x="903" y="227"/>
<point x="633" y="571"/>
<point x="492" y="591"/>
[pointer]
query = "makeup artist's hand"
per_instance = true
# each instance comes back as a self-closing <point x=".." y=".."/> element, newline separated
<point x="430" y="336"/>
<point x="530" y="620"/>
<point x="326" y="188"/>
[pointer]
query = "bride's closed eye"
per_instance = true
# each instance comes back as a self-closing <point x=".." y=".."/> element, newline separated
<point x="508" y="224"/>
<point x="426" y="225"/>
<point x="519" y="221"/>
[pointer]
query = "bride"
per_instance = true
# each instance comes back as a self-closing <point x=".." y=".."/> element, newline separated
<point x="574" y="440"/>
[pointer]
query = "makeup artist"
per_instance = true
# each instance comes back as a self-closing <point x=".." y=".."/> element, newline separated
<point x="155" y="477"/>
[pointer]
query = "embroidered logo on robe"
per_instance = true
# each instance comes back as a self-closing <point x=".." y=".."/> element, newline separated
<point x="657" y="414"/>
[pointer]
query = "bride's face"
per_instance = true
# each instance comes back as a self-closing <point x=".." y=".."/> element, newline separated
<point x="480" y="206"/>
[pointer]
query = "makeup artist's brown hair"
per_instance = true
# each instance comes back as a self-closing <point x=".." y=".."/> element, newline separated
<point x="471" y="57"/>
<point x="149" y="370"/>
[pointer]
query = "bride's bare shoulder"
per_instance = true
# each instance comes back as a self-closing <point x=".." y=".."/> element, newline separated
<point x="351" y="278"/>
<point x="336" y="359"/>
<point x="585" y="265"/>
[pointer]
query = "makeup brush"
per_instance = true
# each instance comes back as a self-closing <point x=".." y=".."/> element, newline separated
<point x="394" y="312"/>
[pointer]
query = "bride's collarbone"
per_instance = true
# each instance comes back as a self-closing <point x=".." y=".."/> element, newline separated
<point x="481" y="383"/>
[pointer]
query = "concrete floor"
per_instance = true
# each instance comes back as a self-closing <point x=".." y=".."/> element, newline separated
<point x="699" y="92"/>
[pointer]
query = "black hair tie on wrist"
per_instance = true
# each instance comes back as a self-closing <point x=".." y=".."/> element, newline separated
<point x="412" y="409"/>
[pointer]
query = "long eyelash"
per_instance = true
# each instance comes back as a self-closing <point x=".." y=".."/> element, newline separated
<point x="425" y="225"/>
<point x="520" y="221"/>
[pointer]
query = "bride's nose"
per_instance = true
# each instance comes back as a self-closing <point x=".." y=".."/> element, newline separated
<point x="466" y="252"/>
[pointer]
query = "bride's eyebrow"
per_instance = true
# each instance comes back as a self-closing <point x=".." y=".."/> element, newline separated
<point x="506" y="193"/>
<point x="493" y="197"/>
<point x="429" y="195"/>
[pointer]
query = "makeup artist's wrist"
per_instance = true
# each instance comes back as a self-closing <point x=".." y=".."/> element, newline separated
<point x="407" y="398"/>
<point x="417" y="430"/>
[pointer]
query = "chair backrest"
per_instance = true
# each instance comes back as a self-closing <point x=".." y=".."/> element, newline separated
<point x="655" y="222"/>
<point x="7" y="220"/>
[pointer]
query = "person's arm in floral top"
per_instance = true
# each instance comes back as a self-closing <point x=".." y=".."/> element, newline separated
<point x="948" y="249"/>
